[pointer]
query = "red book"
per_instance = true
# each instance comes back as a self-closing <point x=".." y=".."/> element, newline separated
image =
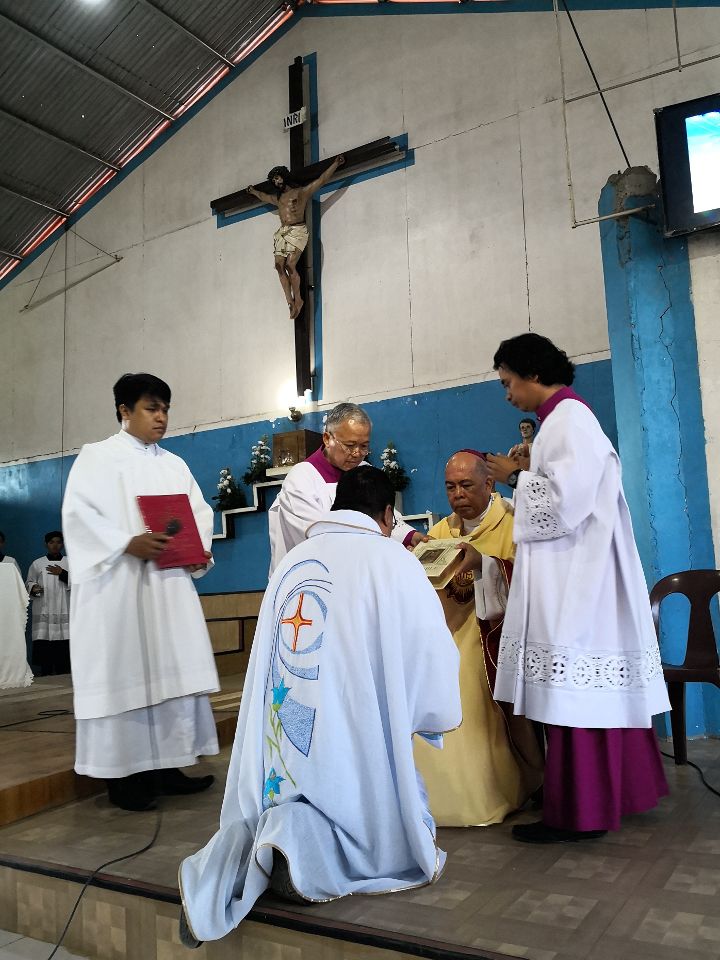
<point x="172" y="514"/>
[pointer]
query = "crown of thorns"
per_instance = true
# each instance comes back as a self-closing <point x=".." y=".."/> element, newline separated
<point x="279" y="172"/>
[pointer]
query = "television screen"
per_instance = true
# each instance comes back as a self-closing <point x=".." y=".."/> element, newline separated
<point x="688" y="139"/>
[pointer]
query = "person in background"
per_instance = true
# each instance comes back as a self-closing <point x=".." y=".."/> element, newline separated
<point x="48" y="584"/>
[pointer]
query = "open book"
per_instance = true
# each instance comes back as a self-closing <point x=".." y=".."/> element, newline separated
<point x="440" y="560"/>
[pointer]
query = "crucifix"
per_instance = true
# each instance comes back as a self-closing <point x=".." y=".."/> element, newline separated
<point x="372" y="159"/>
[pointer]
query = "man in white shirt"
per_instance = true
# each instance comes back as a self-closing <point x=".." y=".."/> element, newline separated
<point x="142" y="661"/>
<point x="309" y="488"/>
<point x="351" y="657"/>
<point x="49" y="587"/>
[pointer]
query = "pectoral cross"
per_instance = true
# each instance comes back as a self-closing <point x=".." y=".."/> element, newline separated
<point x="370" y="160"/>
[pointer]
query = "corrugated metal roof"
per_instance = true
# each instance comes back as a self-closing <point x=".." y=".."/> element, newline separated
<point x="83" y="87"/>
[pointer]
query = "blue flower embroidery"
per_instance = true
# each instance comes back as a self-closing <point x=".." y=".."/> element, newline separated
<point x="272" y="785"/>
<point x="279" y="694"/>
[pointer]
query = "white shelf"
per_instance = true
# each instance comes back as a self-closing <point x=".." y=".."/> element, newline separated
<point x="428" y="517"/>
<point x="224" y="514"/>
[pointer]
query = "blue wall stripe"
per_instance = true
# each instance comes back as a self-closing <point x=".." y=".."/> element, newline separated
<point x="427" y="427"/>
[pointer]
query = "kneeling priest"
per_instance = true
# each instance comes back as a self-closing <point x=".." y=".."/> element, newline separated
<point x="351" y="657"/>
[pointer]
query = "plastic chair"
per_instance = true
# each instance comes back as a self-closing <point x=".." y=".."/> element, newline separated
<point x="701" y="664"/>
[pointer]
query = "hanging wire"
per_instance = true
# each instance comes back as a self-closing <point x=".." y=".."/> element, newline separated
<point x="107" y="253"/>
<point x="47" y="264"/>
<point x="599" y="90"/>
<point x="677" y="35"/>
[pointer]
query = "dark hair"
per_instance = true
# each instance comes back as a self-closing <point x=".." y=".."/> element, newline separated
<point x="285" y="174"/>
<point x="528" y="420"/>
<point x="54" y="533"/>
<point x="131" y="386"/>
<point x="531" y="355"/>
<point x="365" y="489"/>
<point x="2" y="536"/>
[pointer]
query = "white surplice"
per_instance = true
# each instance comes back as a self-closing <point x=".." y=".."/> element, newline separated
<point x="305" y="496"/>
<point x="50" y="610"/>
<point x="14" y="669"/>
<point x="578" y="647"/>
<point x="351" y="657"/>
<point x="138" y="636"/>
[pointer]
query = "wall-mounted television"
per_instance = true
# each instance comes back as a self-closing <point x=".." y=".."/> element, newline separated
<point x="688" y="142"/>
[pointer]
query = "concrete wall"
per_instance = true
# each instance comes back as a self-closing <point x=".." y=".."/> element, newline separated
<point x="425" y="269"/>
<point x="704" y="253"/>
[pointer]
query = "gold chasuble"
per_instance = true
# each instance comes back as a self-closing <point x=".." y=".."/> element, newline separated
<point x="480" y="775"/>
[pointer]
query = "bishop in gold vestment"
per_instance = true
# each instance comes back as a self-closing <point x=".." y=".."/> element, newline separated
<point x="492" y="763"/>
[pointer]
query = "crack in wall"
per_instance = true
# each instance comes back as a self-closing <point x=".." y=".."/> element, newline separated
<point x="667" y="343"/>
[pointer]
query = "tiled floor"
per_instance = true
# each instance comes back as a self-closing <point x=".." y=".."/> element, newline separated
<point x="14" y="947"/>
<point x="649" y="892"/>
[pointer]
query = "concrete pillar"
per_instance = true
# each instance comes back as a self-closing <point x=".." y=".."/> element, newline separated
<point x="661" y="434"/>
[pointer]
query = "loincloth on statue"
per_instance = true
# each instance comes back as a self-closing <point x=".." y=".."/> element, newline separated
<point x="290" y="239"/>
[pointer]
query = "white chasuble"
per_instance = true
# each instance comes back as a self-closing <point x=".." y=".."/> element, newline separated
<point x="308" y="491"/>
<point x="578" y="647"/>
<point x="137" y="633"/>
<point x="14" y="669"/>
<point x="351" y="657"/>
<point x="51" y="609"/>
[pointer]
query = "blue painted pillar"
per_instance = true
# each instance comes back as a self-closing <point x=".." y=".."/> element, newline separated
<point x="661" y="434"/>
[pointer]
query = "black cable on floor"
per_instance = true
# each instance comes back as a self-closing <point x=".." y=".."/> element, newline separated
<point x="43" y="715"/>
<point x="155" y="754"/>
<point x="109" y="863"/>
<point x="695" y="767"/>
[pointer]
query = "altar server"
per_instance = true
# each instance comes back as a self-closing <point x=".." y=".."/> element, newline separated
<point x="351" y="657"/>
<point x="48" y="584"/>
<point x="309" y="488"/>
<point x="578" y="650"/>
<point x="142" y="662"/>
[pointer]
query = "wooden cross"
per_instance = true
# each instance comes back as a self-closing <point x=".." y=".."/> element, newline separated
<point x="372" y="159"/>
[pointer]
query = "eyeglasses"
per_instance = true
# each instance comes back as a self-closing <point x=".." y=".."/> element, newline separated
<point x="353" y="448"/>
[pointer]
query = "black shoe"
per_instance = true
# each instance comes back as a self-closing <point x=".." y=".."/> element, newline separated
<point x="131" y="793"/>
<point x="174" y="783"/>
<point x="280" y="882"/>
<point x="541" y="833"/>
<point x="187" y="937"/>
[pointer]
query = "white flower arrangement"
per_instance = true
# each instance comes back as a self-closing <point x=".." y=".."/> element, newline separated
<point x="260" y="460"/>
<point x="229" y="495"/>
<point x="390" y="465"/>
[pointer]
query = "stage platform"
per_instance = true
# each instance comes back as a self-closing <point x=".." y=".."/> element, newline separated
<point x="37" y="744"/>
<point x="649" y="892"/>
